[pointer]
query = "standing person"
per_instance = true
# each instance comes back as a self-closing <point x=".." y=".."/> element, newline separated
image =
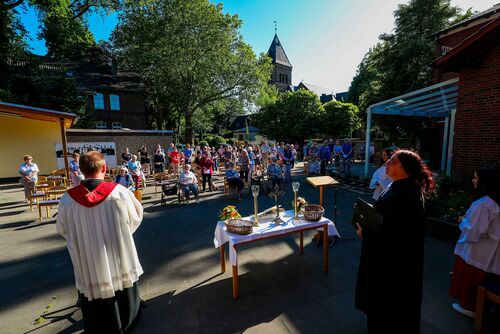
<point x="215" y="158"/>
<point x="74" y="167"/>
<point x="258" y="160"/>
<point x="347" y="154"/>
<point x="126" y="156"/>
<point x="288" y="160"/>
<point x="392" y="253"/>
<point x="188" y="152"/>
<point x="265" y="150"/>
<point x="134" y="167"/>
<point x="314" y="150"/>
<point x="227" y="156"/>
<point x="337" y="151"/>
<point x="244" y="163"/>
<point x="29" y="175"/>
<point x="97" y="219"/>
<point x="159" y="150"/>
<point x="144" y="155"/>
<point x="325" y="156"/>
<point x="380" y="180"/>
<point x="372" y="152"/>
<point x="206" y="164"/>
<point x="175" y="160"/>
<point x="477" y="253"/>
<point x="305" y="150"/>
<point x="159" y="162"/>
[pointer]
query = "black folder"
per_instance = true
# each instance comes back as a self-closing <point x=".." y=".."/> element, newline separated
<point x="365" y="214"/>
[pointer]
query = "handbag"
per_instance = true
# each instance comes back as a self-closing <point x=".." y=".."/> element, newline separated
<point x="365" y="215"/>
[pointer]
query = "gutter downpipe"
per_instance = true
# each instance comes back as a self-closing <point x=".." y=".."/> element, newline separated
<point x="445" y="143"/>
<point x="367" y="134"/>
<point x="450" y="141"/>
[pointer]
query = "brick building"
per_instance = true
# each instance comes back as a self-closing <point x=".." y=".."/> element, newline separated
<point x="114" y="96"/>
<point x="465" y="98"/>
<point x="470" y="51"/>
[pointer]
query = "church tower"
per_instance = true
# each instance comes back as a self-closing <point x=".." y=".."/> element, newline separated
<point x="282" y="69"/>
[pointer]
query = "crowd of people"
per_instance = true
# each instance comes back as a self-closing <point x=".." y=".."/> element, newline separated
<point x="392" y="252"/>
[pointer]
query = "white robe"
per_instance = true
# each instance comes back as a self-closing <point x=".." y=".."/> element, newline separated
<point x="381" y="177"/>
<point x="100" y="242"/>
<point x="479" y="243"/>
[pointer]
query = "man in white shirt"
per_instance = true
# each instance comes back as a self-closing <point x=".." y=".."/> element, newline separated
<point x="97" y="219"/>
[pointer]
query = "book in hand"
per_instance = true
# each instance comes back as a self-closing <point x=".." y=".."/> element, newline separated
<point x="365" y="214"/>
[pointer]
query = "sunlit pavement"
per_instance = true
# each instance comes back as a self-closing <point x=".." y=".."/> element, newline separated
<point x="280" y="291"/>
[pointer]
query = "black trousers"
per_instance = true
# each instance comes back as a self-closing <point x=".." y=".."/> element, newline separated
<point x="205" y="178"/>
<point x="323" y="166"/>
<point x="111" y="315"/>
<point x="244" y="175"/>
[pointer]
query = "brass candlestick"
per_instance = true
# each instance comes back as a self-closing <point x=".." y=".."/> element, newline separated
<point x="295" y="187"/>
<point x="276" y="193"/>
<point x="255" y="193"/>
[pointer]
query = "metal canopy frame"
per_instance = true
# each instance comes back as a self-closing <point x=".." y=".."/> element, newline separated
<point x="439" y="100"/>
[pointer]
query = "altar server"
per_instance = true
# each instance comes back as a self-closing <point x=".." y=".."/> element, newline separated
<point x="97" y="219"/>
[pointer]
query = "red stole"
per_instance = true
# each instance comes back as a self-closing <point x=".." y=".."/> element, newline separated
<point x="89" y="199"/>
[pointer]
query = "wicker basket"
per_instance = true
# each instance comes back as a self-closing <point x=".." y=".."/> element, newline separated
<point x="313" y="212"/>
<point x="239" y="226"/>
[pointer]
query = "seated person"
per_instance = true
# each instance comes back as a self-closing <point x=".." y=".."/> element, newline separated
<point x="313" y="166"/>
<point x="233" y="179"/>
<point x="125" y="179"/>
<point x="187" y="182"/>
<point x="275" y="173"/>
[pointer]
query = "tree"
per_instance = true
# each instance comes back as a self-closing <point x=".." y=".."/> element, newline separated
<point x="293" y="117"/>
<point x="339" y="119"/>
<point x="400" y="62"/>
<point x="190" y="54"/>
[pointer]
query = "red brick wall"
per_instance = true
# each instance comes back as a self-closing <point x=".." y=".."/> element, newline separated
<point x="477" y="123"/>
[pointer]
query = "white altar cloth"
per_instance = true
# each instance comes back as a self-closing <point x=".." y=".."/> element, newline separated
<point x="265" y="230"/>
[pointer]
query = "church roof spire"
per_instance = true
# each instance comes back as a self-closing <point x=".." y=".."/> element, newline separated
<point x="276" y="51"/>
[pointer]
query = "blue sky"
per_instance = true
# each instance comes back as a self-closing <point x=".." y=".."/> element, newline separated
<point x="325" y="40"/>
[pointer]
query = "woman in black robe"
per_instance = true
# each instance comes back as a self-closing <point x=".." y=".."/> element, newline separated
<point x="390" y="274"/>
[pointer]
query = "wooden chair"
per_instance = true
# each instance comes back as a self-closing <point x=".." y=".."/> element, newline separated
<point x="42" y="178"/>
<point x="227" y="188"/>
<point x="56" y="192"/>
<point x="39" y="195"/>
<point x="48" y="204"/>
<point x="42" y="185"/>
<point x="222" y="169"/>
<point x="489" y="291"/>
<point x="159" y="180"/>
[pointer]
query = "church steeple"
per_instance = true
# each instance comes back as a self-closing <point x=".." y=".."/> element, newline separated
<point x="282" y="71"/>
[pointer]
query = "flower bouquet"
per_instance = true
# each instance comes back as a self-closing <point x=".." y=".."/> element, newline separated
<point x="301" y="203"/>
<point x="229" y="212"/>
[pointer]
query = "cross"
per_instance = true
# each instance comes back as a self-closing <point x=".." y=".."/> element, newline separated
<point x="275" y="27"/>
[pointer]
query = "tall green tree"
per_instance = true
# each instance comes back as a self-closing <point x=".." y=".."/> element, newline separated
<point x="400" y="62"/>
<point x="293" y="117"/>
<point x="339" y="119"/>
<point x="190" y="53"/>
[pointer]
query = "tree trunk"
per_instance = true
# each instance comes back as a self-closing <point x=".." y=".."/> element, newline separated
<point x="188" y="116"/>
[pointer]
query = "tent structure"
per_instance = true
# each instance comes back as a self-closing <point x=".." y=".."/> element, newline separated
<point x="439" y="100"/>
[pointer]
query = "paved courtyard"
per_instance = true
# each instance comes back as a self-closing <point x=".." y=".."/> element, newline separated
<point x="280" y="291"/>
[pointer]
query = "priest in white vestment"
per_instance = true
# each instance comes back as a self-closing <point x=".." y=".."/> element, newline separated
<point x="98" y="219"/>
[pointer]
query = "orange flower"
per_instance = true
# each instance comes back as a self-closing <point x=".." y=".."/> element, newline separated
<point x="233" y="214"/>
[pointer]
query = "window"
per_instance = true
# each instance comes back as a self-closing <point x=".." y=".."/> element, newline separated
<point x="98" y="101"/>
<point x="101" y="125"/>
<point x="116" y="125"/>
<point x="114" y="102"/>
